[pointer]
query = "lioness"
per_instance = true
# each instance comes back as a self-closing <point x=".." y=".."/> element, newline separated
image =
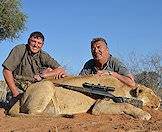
<point x="45" y="97"/>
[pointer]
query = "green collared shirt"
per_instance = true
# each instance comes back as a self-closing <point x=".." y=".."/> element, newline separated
<point x="22" y="62"/>
<point x="112" y="64"/>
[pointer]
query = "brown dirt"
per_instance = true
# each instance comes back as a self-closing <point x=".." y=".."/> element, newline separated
<point x="80" y="122"/>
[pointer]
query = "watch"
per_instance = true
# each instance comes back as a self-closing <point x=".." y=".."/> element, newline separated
<point x="110" y="73"/>
<point x="41" y="75"/>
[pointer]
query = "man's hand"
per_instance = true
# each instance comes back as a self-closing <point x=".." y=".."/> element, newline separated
<point x="59" y="73"/>
<point x="103" y="72"/>
<point x="15" y="93"/>
<point x="129" y="79"/>
<point x="37" y="77"/>
<point x="56" y="73"/>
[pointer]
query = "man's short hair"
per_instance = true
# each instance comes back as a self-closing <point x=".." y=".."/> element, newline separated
<point x="94" y="40"/>
<point x="37" y="35"/>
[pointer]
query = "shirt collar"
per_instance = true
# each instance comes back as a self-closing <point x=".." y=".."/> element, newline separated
<point x="104" y="66"/>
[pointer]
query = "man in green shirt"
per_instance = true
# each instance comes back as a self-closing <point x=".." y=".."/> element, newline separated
<point x="30" y="61"/>
<point x="103" y="63"/>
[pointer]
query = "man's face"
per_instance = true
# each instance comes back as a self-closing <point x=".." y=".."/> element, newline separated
<point x="100" y="51"/>
<point x="35" y="44"/>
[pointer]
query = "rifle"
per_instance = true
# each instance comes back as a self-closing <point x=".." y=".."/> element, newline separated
<point x="101" y="92"/>
<point x="8" y="105"/>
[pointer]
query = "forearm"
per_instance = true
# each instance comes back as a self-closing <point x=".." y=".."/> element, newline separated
<point x="10" y="81"/>
<point x="54" y="72"/>
<point x="129" y="80"/>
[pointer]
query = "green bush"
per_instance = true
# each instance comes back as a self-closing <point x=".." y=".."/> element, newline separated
<point x="12" y="19"/>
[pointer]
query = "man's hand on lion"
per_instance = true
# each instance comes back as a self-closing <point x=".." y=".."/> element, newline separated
<point x="129" y="79"/>
<point x="103" y="72"/>
<point x="37" y="77"/>
<point x="56" y="73"/>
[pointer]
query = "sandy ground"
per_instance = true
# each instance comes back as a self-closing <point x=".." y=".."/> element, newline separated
<point x="81" y="122"/>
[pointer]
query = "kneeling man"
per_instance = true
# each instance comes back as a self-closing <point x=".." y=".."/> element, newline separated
<point x="103" y="63"/>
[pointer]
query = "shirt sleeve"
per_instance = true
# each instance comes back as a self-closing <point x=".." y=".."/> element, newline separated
<point x="48" y="61"/>
<point x="84" y="71"/>
<point x="87" y="69"/>
<point x="120" y="68"/>
<point x="14" y="58"/>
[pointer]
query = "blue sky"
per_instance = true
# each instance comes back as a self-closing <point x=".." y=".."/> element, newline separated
<point x="69" y="26"/>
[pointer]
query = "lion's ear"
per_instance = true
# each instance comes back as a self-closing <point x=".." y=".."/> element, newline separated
<point x="135" y="92"/>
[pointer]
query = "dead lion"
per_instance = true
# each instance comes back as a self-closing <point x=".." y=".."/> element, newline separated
<point x="45" y="98"/>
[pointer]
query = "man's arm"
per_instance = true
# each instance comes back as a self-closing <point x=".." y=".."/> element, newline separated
<point x="87" y="68"/>
<point x="10" y="81"/>
<point x="56" y="73"/>
<point x="129" y="79"/>
<point x="121" y="72"/>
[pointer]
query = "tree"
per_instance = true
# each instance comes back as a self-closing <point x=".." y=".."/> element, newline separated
<point x="12" y="19"/>
<point x="150" y="79"/>
<point x="146" y="69"/>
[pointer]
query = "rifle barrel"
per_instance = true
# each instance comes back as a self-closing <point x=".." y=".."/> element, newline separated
<point x="96" y="91"/>
<point x="106" y="88"/>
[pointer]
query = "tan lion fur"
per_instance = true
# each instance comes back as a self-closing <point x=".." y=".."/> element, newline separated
<point x="44" y="97"/>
